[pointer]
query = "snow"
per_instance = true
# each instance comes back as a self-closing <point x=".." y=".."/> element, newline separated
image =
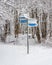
<point x="17" y="55"/>
<point x="14" y="51"/>
<point x="21" y="39"/>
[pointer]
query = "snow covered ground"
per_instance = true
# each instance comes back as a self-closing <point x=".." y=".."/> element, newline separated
<point x="21" y="40"/>
<point x="17" y="55"/>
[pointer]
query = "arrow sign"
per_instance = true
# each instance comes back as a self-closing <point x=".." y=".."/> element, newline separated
<point x="23" y="20"/>
<point x="32" y="23"/>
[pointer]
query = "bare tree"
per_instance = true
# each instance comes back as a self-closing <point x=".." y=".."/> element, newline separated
<point x="16" y="24"/>
<point x="5" y="29"/>
<point x="32" y="16"/>
<point x="44" y="25"/>
<point x="37" y="29"/>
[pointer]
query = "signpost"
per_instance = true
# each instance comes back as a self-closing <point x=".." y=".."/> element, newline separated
<point x="31" y="23"/>
<point x="22" y="21"/>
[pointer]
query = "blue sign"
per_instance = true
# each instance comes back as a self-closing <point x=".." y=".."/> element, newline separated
<point x="33" y="24"/>
<point x="21" y="17"/>
<point x="23" y="20"/>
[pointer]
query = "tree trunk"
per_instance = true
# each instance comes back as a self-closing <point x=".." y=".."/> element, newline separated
<point x="38" y="35"/>
<point x="44" y="29"/>
<point x="16" y="30"/>
<point x="33" y="32"/>
<point x="5" y="32"/>
<point x="44" y="25"/>
<point x="16" y="24"/>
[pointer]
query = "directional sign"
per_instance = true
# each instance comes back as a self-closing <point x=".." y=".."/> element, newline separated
<point x="21" y="17"/>
<point x="32" y="23"/>
<point x="23" y="20"/>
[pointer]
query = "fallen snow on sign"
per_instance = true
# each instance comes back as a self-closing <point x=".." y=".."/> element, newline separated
<point x="16" y="55"/>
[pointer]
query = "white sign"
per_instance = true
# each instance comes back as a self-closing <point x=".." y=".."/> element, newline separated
<point x="32" y="22"/>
